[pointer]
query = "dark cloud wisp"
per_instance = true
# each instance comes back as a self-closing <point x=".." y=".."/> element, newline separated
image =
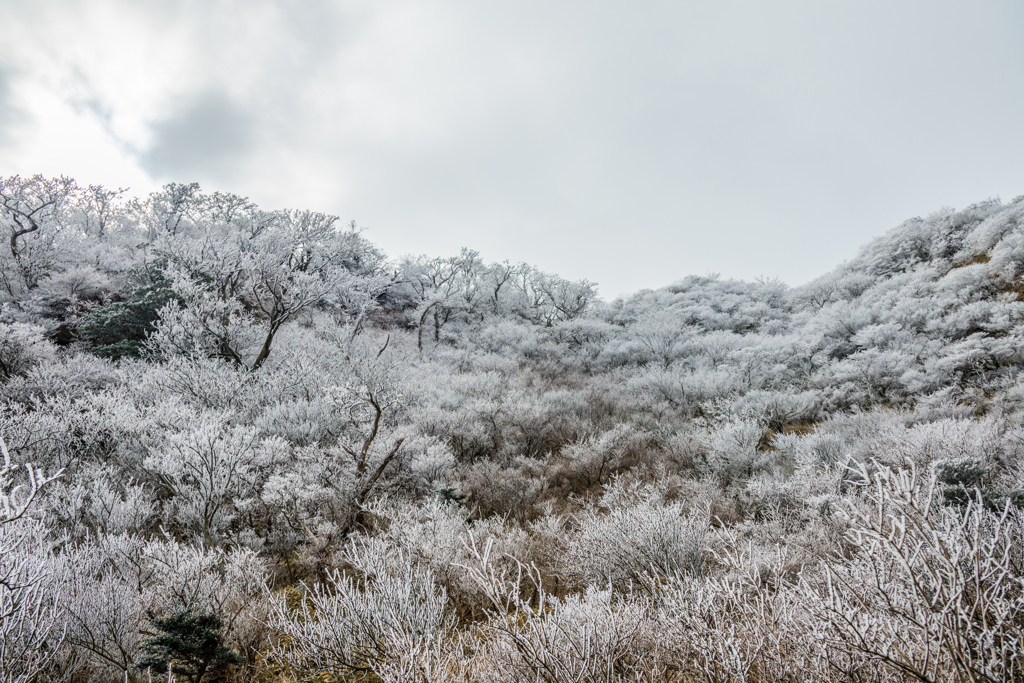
<point x="10" y="114"/>
<point x="209" y="136"/>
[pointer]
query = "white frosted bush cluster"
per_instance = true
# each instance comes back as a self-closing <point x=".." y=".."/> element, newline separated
<point x="639" y="535"/>
<point x="439" y="468"/>
<point x="113" y="588"/>
<point x="30" y="585"/>
<point x="22" y="347"/>
<point x="392" y="621"/>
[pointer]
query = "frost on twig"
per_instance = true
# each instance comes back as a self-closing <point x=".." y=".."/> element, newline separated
<point x="15" y="499"/>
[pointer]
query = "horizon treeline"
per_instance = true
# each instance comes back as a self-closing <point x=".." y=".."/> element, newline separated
<point x="254" y="431"/>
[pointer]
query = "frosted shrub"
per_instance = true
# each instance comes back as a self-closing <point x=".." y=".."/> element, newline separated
<point x="313" y="495"/>
<point x="709" y="303"/>
<point x="229" y="583"/>
<point x="516" y="490"/>
<point x="946" y="439"/>
<point x="823" y="451"/>
<point x="814" y="471"/>
<point x="507" y="338"/>
<point x="435" y="535"/>
<point x="75" y="376"/>
<point x="748" y="625"/>
<point x="58" y="432"/>
<point x="777" y="409"/>
<point x="488" y="414"/>
<point x="99" y="503"/>
<point x="860" y="433"/>
<point x="431" y="465"/>
<point x="321" y="491"/>
<point x="640" y="534"/>
<point x="205" y="326"/>
<point x="774" y="362"/>
<point x="30" y="583"/>
<point x="387" y="618"/>
<point x="211" y="472"/>
<point x="114" y="588"/>
<point x="995" y="227"/>
<point x="72" y="292"/>
<point x="713" y="349"/>
<point x="301" y="421"/>
<point x="683" y="452"/>
<point x="1006" y="253"/>
<point x="22" y="347"/>
<point x="32" y="587"/>
<point x="658" y="337"/>
<point x="736" y="451"/>
<point x="594" y="460"/>
<point x="590" y="637"/>
<point x="869" y="377"/>
<point x="686" y="392"/>
<point x="104" y="611"/>
<point x="576" y="344"/>
<point x="932" y="593"/>
<point x="204" y="383"/>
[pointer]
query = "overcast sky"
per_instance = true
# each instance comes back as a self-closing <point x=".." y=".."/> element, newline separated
<point x="629" y="143"/>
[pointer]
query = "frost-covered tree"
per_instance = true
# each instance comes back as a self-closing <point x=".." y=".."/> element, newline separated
<point x="240" y="278"/>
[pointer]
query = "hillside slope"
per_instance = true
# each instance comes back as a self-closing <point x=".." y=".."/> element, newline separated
<point x="344" y="467"/>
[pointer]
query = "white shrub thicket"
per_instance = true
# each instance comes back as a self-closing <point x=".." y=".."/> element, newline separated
<point x="933" y="592"/>
<point x="588" y="637"/>
<point x="22" y="347"/>
<point x="639" y="535"/>
<point x="113" y="589"/>
<point x="31" y="585"/>
<point x="439" y="468"/>
<point x="387" y="618"/>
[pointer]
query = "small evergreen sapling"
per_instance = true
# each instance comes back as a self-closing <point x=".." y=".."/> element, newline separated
<point x="188" y="644"/>
<point x="119" y="329"/>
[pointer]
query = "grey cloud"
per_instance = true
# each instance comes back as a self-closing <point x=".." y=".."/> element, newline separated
<point x="319" y="29"/>
<point x="207" y="138"/>
<point x="10" y="114"/>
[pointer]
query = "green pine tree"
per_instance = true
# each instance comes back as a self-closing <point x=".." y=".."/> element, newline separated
<point x="118" y="329"/>
<point x="188" y="643"/>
